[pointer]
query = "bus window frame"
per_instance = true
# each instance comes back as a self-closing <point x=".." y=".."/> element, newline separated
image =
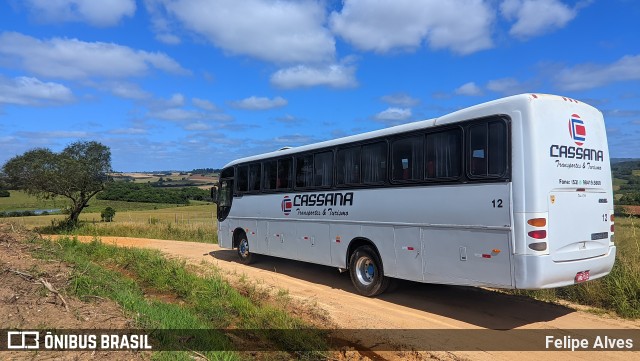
<point x="506" y="174"/>
<point x="461" y="148"/>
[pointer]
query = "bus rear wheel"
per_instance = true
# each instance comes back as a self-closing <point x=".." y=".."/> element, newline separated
<point x="365" y="268"/>
<point x="244" y="255"/>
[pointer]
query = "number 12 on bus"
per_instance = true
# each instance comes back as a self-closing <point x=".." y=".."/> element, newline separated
<point x="513" y="193"/>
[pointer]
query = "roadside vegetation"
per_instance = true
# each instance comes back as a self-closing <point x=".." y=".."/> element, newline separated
<point x="166" y="294"/>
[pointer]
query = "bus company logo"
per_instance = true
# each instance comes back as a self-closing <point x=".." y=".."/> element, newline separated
<point x="577" y="129"/>
<point x="286" y="205"/>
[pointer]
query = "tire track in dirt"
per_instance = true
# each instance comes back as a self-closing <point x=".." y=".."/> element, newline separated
<point x="411" y="306"/>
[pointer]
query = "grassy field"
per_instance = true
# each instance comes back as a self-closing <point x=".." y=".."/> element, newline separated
<point x="196" y="222"/>
<point x="19" y="201"/>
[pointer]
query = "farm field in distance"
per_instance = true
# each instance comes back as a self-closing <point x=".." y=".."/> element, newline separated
<point x="192" y="222"/>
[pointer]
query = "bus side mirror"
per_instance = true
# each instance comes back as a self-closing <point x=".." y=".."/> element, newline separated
<point x="214" y="194"/>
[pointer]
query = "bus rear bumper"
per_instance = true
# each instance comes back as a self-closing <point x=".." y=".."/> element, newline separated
<point x="535" y="272"/>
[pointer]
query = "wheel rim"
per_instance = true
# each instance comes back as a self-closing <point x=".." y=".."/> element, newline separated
<point x="243" y="249"/>
<point x="365" y="270"/>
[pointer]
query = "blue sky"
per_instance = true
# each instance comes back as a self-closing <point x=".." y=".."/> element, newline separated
<point x="183" y="84"/>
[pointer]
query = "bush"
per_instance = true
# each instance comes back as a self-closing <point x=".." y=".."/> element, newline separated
<point x="4" y="193"/>
<point x="108" y="214"/>
<point x="619" y="211"/>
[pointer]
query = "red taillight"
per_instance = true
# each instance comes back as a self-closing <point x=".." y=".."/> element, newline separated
<point x="612" y="225"/>
<point x="538" y="234"/>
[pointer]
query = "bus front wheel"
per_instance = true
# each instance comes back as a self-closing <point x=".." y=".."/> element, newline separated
<point x="365" y="268"/>
<point x="244" y="254"/>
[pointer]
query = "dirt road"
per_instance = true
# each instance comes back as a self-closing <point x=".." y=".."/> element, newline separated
<point x="410" y="306"/>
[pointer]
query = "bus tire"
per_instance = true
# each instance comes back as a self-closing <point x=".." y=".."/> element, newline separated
<point x="367" y="276"/>
<point x="244" y="255"/>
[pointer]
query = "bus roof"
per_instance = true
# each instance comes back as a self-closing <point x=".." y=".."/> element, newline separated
<point x="475" y="111"/>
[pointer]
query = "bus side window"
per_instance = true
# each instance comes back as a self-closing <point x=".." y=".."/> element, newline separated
<point x="443" y="154"/>
<point x="374" y="162"/>
<point x="304" y="171"/>
<point x="254" y="178"/>
<point x="242" y="178"/>
<point x="488" y="149"/>
<point x="323" y="169"/>
<point x="406" y="158"/>
<point x="348" y="166"/>
<point x="270" y="175"/>
<point x="284" y="174"/>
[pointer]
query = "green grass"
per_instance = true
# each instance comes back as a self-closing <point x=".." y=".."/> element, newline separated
<point x="196" y="223"/>
<point x="20" y="200"/>
<point x="131" y="277"/>
<point x="619" y="291"/>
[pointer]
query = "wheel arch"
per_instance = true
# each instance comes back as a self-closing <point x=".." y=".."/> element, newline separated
<point x="357" y="242"/>
<point x="237" y="235"/>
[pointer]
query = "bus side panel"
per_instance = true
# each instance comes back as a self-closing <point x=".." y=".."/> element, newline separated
<point x="340" y="236"/>
<point x="225" y="237"/>
<point x="282" y="239"/>
<point x="408" y="253"/>
<point x="262" y="239"/>
<point x="313" y="242"/>
<point x="467" y="257"/>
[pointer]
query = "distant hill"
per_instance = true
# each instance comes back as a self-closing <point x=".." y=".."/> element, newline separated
<point x="621" y="160"/>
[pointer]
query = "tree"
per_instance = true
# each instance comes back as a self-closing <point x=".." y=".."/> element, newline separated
<point x="108" y="214"/>
<point x="77" y="173"/>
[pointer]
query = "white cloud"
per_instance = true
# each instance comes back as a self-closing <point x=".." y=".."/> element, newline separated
<point x="463" y="26"/>
<point x="204" y="104"/>
<point x="589" y="76"/>
<point x="75" y="59"/>
<point x="400" y="99"/>
<point x="176" y="114"/>
<point x="128" y="131"/>
<point x="176" y="100"/>
<point x="198" y="126"/>
<point x="536" y="17"/>
<point x="506" y="86"/>
<point x="393" y="114"/>
<point x="470" y="89"/>
<point x="94" y="12"/>
<point x="335" y="76"/>
<point x="128" y="90"/>
<point x="55" y="134"/>
<point x="160" y="23"/>
<point x="31" y="91"/>
<point x="259" y="103"/>
<point x="276" y="31"/>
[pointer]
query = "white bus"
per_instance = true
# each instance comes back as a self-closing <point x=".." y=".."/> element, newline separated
<point x="513" y="193"/>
